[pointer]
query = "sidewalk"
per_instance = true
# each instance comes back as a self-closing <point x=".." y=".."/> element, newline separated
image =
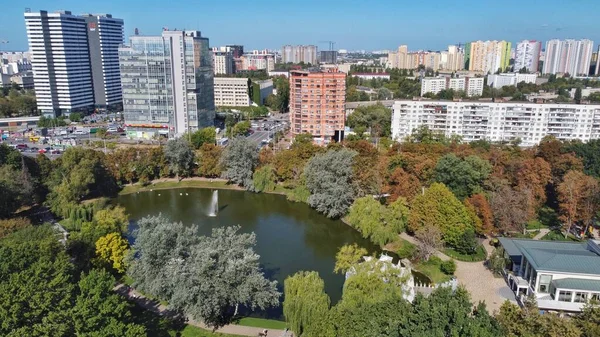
<point x="154" y="306"/>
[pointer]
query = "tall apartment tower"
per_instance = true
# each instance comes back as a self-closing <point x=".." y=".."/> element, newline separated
<point x="60" y="60"/>
<point x="222" y="61"/>
<point x="568" y="56"/>
<point x="75" y="60"/>
<point x="527" y="55"/>
<point x="317" y="100"/>
<point x="297" y="54"/>
<point x="168" y="87"/>
<point x="105" y="35"/>
<point x="488" y="56"/>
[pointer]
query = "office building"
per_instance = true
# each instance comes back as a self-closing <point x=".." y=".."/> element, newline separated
<point x="511" y="79"/>
<point x="232" y="91"/>
<point x="60" y="60"/>
<point x="472" y="86"/>
<point x="568" y="57"/>
<point x="527" y="55"/>
<point x="168" y="86"/>
<point x="488" y="56"/>
<point x="297" y="54"/>
<point x="74" y="60"/>
<point x="222" y="58"/>
<point x="105" y="35"/>
<point x="498" y="122"/>
<point x="328" y="56"/>
<point x="317" y="101"/>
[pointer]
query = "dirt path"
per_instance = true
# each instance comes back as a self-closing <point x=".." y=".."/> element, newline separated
<point x="162" y="310"/>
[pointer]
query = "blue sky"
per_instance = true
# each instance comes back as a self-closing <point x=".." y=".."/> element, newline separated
<point x="366" y="24"/>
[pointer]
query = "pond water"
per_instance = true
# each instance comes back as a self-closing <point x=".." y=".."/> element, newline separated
<point x="290" y="236"/>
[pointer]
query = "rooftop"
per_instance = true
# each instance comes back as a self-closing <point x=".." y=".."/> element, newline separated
<point x="556" y="256"/>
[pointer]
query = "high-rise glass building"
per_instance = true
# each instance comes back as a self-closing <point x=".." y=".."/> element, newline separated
<point x="167" y="84"/>
<point x="74" y="60"/>
<point x="527" y="55"/>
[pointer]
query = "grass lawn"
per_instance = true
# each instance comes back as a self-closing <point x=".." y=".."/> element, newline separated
<point x="480" y="254"/>
<point x="536" y="224"/>
<point x="193" y="331"/>
<point x="559" y="236"/>
<point x="261" y="323"/>
<point x="403" y="248"/>
<point x="431" y="268"/>
<point x="162" y="185"/>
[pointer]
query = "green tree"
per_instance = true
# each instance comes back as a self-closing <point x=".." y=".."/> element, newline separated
<point x="203" y="136"/>
<point x="375" y="118"/>
<point x="347" y="256"/>
<point x="329" y="180"/>
<point x="306" y="302"/>
<point x="239" y="160"/>
<point x="75" y="117"/>
<point x="205" y="277"/>
<point x="264" y="179"/>
<point x="438" y="207"/>
<point x="377" y="222"/>
<point x="240" y="129"/>
<point x="180" y="156"/>
<point x="577" y="95"/>
<point x="464" y="177"/>
<point x="111" y="250"/>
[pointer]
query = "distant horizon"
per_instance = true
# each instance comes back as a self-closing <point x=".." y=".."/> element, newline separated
<point x="352" y="25"/>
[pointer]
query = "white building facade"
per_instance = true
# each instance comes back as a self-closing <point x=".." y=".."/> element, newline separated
<point x="472" y="86"/>
<point x="222" y="61"/>
<point x="60" y="61"/>
<point x="500" y="80"/>
<point x="232" y="91"/>
<point x="568" y="56"/>
<point x="498" y="122"/>
<point x="527" y="55"/>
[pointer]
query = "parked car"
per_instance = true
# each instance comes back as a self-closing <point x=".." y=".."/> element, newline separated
<point x="55" y="151"/>
<point x="21" y="147"/>
<point x="33" y="149"/>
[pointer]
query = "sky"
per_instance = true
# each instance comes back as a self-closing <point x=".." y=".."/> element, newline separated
<point x="352" y="24"/>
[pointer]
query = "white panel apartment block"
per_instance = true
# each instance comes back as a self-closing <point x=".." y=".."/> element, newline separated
<point x="498" y="122"/>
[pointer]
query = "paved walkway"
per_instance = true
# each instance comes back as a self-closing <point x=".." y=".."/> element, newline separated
<point x="541" y="234"/>
<point x="478" y="280"/>
<point x="162" y="310"/>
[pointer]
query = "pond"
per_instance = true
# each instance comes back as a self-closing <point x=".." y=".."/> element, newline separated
<point x="290" y="236"/>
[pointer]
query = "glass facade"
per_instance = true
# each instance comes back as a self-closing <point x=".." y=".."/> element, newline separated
<point x="150" y="68"/>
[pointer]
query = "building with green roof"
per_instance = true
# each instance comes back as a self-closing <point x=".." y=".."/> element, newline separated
<point x="563" y="276"/>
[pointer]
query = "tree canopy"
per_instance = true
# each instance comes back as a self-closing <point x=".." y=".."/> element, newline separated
<point x="239" y="160"/>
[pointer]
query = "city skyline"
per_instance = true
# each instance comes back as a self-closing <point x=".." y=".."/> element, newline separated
<point x="264" y="25"/>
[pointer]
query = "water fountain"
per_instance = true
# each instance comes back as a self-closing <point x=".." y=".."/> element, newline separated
<point x="214" y="204"/>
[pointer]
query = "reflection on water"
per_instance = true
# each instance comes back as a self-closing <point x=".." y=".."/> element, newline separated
<point x="290" y="236"/>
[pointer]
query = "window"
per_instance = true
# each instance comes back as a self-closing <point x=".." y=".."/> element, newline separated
<point x="580" y="297"/>
<point x="544" y="283"/>
<point x="564" y="296"/>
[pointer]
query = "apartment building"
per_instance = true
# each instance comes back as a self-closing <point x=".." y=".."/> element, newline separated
<point x="222" y="61"/>
<point x="472" y="86"/>
<point x="487" y="56"/>
<point x="317" y="100"/>
<point x="568" y="57"/>
<point x="498" y="122"/>
<point x="167" y="84"/>
<point x="527" y="55"/>
<point x="511" y="79"/>
<point x="451" y="60"/>
<point x="300" y="53"/>
<point x="74" y="60"/>
<point x="258" y="60"/>
<point x="231" y="91"/>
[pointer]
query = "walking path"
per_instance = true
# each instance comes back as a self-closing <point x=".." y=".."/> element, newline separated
<point x="162" y="310"/>
<point x="477" y="279"/>
<point x="541" y="234"/>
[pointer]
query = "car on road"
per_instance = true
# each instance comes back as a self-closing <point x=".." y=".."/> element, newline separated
<point x="81" y="132"/>
<point x="55" y="151"/>
<point x="21" y="147"/>
<point x="44" y="150"/>
<point x="33" y="149"/>
<point x="63" y="132"/>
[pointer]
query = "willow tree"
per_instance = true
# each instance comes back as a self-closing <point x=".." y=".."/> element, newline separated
<point x="306" y="302"/>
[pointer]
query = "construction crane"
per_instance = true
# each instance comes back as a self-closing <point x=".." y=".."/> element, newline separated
<point x="331" y="44"/>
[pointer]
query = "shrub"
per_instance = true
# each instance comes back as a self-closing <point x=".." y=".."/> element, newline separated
<point x="12" y="225"/>
<point x="448" y="267"/>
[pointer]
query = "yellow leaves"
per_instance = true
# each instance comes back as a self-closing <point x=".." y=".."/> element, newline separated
<point x="111" y="250"/>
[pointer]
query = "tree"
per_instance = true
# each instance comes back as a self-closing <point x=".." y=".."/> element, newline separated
<point x="239" y="129"/>
<point x="377" y="222"/>
<point x="180" y="157"/>
<point x="111" y="250"/>
<point x="375" y="118"/>
<point x="210" y="160"/>
<point x="429" y="242"/>
<point x="206" y="278"/>
<point x="329" y="180"/>
<point x="589" y="320"/>
<point x="497" y="262"/>
<point x="306" y="302"/>
<point x="203" y="136"/>
<point x="98" y="311"/>
<point x="510" y="209"/>
<point x="483" y="211"/>
<point x="402" y="184"/>
<point x="438" y="207"/>
<point x="12" y="225"/>
<point x="347" y="256"/>
<point x="239" y="160"/>
<point x="463" y="177"/>
<point x="577" y="196"/>
<point x="75" y="117"/>
<point x="263" y="179"/>
<point x="577" y="95"/>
